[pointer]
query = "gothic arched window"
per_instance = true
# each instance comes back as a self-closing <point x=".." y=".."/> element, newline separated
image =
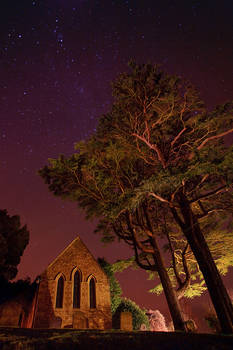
<point x="76" y="290"/>
<point x="92" y="293"/>
<point x="60" y="292"/>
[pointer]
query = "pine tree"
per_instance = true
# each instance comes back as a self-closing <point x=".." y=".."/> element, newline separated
<point x="159" y="148"/>
<point x="93" y="178"/>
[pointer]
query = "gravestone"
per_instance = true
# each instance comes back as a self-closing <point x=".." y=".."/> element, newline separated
<point x="79" y="320"/>
<point x="126" y="321"/>
<point x="55" y="322"/>
<point x="96" y="322"/>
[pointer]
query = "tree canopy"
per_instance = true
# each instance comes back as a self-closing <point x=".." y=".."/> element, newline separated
<point x="13" y="241"/>
<point x="158" y="160"/>
<point x="219" y="242"/>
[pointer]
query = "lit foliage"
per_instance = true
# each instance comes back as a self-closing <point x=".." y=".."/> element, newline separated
<point x="158" y="160"/>
<point x="13" y="241"/>
<point x="95" y="184"/>
<point x="220" y="243"/>
<point x="118" y="303"/>
<point x="138" y="315"/>
<point x="115" y="288"/>
<point x="157" y="321"/>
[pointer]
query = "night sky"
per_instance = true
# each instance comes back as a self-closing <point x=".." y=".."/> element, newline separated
<point x="57" y="60"/>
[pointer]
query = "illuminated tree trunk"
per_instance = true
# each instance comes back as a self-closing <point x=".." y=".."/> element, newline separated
<point x="197" y="242"/>
<point x="172" y="300"/>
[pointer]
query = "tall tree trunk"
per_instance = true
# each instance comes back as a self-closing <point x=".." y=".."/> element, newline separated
<point x="172" y="300"/>
<point x="197" y="242"/>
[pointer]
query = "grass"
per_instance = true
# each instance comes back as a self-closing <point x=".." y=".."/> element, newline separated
<point x="62" y="339"/>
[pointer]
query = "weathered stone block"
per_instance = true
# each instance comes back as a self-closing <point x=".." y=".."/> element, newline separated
<point x="126" y="321"/>
<point x="80" y="321"/>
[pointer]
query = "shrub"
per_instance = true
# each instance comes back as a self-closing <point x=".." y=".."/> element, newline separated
<point x="115" y="288"/>
<point x="213" y="322"/>
<point x="157" y="321"/>
<point x="138" y="315"/>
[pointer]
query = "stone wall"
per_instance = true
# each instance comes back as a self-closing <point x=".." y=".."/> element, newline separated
<point x="10" y="314"/>
<point x="75" y="257"/>
<point x="17" y="312"/>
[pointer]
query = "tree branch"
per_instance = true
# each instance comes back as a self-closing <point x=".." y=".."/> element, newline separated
<point x="214" y="137"/>
<point x="178" y="136"/>
<point x="177" y="218"/>
<point x="173" y="260"/>
<point x="158" y="197"/>
<point x="211" y="193"/>
<point x="154" y="147"/>
<point x="135" y="237"/>
<point x="182" y="288"/>
<point x="140" y="264"/>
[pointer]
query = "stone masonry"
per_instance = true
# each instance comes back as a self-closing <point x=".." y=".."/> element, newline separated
<point x="75" y="257"/>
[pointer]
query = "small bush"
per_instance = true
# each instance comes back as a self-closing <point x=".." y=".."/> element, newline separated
<point x="213" y="322"/>
<point x="138" y="315"/>
<point x="157" y="321"/>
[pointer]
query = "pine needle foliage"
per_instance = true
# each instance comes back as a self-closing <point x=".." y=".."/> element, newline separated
<point x="158" y="159"/>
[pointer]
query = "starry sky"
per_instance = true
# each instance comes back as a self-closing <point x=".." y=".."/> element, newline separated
<point x="57" y="60"/>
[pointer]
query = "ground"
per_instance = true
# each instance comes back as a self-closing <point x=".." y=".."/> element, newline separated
<point x="60" y="339"/>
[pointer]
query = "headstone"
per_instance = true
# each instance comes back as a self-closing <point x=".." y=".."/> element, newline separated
<point x="55" y="322"/>
<point x="126" y="321"/>
<point x="79" y="320"/>
<point x="96" y="322"/>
